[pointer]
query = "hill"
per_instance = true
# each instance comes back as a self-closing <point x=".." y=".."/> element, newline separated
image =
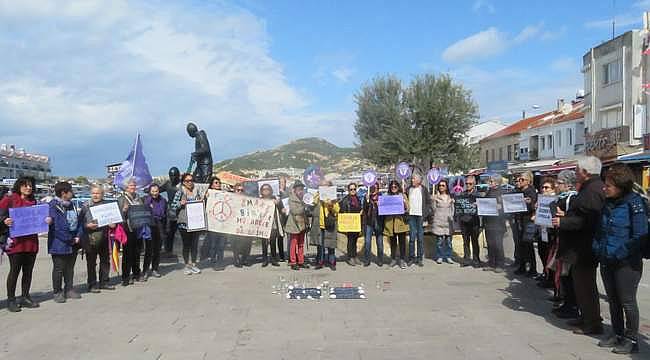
<point x="297" y="154"/>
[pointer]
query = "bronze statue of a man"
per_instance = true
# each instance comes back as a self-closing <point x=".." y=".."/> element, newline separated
<point x="201" y="155"/>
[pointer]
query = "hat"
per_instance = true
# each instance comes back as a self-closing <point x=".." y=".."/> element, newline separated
<point x="298" y="184"/>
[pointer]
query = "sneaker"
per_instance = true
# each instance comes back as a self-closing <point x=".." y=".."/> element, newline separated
<point x="188" y="270"/>
<point x="155" y="273"/>
<point x="357" y="261"/>
<point x="13" y="306"/>
<point x="144" y="277"/>
<point x="93" y="289"/>
<point x="610" y="341"/>
<point x="318" y="266"/>
<point x="438" y="261"/>
<point x="450" y="261"/>
<point x="274" y="263"/>
<point x="366" y="264"/>
<point x="303" y="266"/>
<point x="627" y="346"/>
<point x="106" y="287"/>
<point x="350" y="262"/>
<point x="393" y="263"/>
<point x="499" y="270"/>
<point x="402" y="265"/>
<point x="125" y="283"/>
<point x="295" y="267"/>
<point x="72" y="295"/>
<point x="333" y="267"/>
<point x="28" y="303"/>
<point x="195" y="269"/>
<point x="59" y="298"/>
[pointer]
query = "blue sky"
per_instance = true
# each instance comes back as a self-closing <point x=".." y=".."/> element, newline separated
<point x="78" y="79"/>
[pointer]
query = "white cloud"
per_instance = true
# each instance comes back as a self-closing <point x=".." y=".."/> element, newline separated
<point x="548" y="35"/>
<point x="481" y="45"/>
<point x="528" y="33"/>
<point x="483" y="5"/>
<point x="343" y="74"/>
<point x="622" y="20"/>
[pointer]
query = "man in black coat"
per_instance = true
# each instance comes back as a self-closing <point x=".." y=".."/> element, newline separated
<point x="581" y="221"/>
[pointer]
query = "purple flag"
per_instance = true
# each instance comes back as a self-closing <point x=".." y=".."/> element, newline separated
<point x="134" y="166"/>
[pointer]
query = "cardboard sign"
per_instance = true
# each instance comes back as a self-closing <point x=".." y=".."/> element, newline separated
<point x="195" y="216"/>
<point x="514" y="203"/>
<point x="391" y="205"/>
<point x="403" y="170"/>
<point x="349" y="222"/>
<point x="327" y="193"/>
<point x="464" y="205"/>
<point x="106" y="214"/>
<point x="28" y="220"/>
<point x="543" y="216"/>
<point x="274" y="183"/>
<point x="236" y="214"/>
<point x="487" y="207"/>
<point x="138" y="216"/>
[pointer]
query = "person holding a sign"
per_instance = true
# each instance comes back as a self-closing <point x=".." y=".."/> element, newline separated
<point x="443" y="222"/>
<point x="216" y="241"/>
<point x="21" y="250"/>
<point x="131" y="250"/>
<point x="158" y="206"/>
<point x="276" y="229"/>
<point x="547" y="234"/>
<point x="419" y="210"/>
<point x="63" y="241"/>
<point x="396" y="228"/>
<point x="296" y="226"/>
<point x="465" y="210"/>
<point x="527" y="228"/>
<point x="374" y="226"/>
<point x="188" y="192"/>
<point x="351" y="204"/>
<point x="241" y="245"/>
<point x="327" y="220"/>
<point x="95" y="243"/>
<point x="495" y="227"/>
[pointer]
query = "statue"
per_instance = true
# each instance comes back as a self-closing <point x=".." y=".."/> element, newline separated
<point x="202" y="156"/>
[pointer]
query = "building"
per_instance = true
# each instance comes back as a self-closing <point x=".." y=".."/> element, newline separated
<point x="16" y="162"/>
<point x="615" y="98"/>
<point x="480" y="131"/>
<point x="557" y="135"/>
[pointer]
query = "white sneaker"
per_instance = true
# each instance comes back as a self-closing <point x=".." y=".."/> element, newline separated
<point x="195" y="269"/>
<point x="438" y="261"/>
<point x="449" y="261"/>
<point x="188" y="270"/>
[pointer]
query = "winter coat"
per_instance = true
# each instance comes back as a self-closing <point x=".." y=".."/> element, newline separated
<point x="564" y="202"/>
<point x="579" y="224"/>
<point x="60" y="238"/>
<point x="297" y="220"/>
<point x="21" y="244"/>
<point x="92" y="237"/>
<point x="371" y="214"/>
<point x="623" y="224"/>
<point x="443" y="215"/>
<point x="180" y="209"/>
<point x="397" y="224"/>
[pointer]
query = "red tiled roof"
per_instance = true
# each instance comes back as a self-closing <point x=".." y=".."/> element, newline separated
<point x="548" y="118"/>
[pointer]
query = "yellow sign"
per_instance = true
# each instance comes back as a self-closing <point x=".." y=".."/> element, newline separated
<point x="349" y="222"/>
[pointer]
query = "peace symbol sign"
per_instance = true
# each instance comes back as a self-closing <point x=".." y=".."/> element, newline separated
<point x="221" y="210"/>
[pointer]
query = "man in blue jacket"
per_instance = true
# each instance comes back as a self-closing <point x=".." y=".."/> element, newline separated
<point x="63" y="241"/>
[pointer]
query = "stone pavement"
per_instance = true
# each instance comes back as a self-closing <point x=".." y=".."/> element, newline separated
<point x="438" y="311"/>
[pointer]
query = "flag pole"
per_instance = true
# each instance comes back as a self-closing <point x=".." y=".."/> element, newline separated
<point x="135" y="153"/>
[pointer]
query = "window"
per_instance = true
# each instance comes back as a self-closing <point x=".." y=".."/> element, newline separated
<point x="516" y="151"/>
<point x="550" y="142"/>
<point x="492" y="154"/>
<point x="558" y="136"/>
<point x="543" y="142"/>
<point x="611" y="118"/>
<point x="570" y="136"/>
<point x="612" y="72"/>
<point x="487" y="160"/>
<point x="500" y="153"/>
<point x="509" y="152"/>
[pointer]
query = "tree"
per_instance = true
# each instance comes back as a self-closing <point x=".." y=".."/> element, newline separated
<point x="424" y="123"/>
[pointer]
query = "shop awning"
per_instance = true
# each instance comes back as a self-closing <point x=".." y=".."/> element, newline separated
<point x="533" y="165"/>
<point x="637" y="157"/>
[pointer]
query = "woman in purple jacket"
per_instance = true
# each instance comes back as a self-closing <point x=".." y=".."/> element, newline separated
<point x="158" y="206"/>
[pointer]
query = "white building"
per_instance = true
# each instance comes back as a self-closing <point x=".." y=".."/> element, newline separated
<point x="16" y="162"/>
<point x="483" y="130"/>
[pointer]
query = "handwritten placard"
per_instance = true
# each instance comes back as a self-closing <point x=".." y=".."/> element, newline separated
<point x="236" y="214"/>
<point x="28" y="220"/>
<point x="138" y="216"/>
<point x="106" y="214"/>
<point x="195" y="216"/>
<point x="274" y="183"/>
<point x="391" y="205"/>
<point x="465" y="205"/>
<point x="487" y="207"/>
<point x="514" y="203"/>
<point x="327" y="192"/>
<point x="543" y="215"/>
<point x="349" y="222"/>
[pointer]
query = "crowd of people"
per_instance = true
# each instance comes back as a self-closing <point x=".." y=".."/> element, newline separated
<point x="593" y="223"/>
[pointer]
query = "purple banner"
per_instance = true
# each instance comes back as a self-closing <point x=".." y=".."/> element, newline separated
<point x="28" y="220"/>
<point x="403" y="170"/>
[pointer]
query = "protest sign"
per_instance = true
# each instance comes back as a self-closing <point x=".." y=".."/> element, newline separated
<point x="237" y="214"/>
<point x="195" y="216"/>
<point x="313" y="176"/>
<point x="349" y="222"/>
<point x="543" y="216"/>
<point x="308" y="198"/>
<point x="465" y="205"/>
<point x="403" y="170"/>
<point x="138" y="216"/>
<point x="487" y="207"/>
<point x="434" y="176"/>
<point x="369" y="178"/>
<point x="514" y="203"/>
<point x="106" y="214"/>
<point x="274" y="183"/>
<point x="391" y="205"/>
<point x="285" y="204"/>
<point x="251" y="188"/>
<point x="327" y="192"/>
<point x="28" y="220"/>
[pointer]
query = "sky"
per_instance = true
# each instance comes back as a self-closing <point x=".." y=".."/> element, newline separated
<point x="79" y="79"/>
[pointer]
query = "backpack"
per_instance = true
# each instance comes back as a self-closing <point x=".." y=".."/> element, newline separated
<point x="330" y="221"/>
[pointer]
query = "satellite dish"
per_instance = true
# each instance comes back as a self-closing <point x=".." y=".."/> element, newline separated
<point x="535" y="107"/>
<point x="566" y="109"/>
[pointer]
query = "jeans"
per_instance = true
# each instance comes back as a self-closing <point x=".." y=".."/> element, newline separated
<point x="443" y="247"/>
<point x="217" y="244"/>
<point x="321" y="258"/>
<point x="416" y="233"/>
<point x="379" y="240"/>
<point x="18" y="262"/>
<point x="63" y="270"/>
<point x="621" y="285"/>
<point x="152" y="249"/>
<point x="94" y="251"/>
<point x="494" y="239"/>
<point x="190" y="245"/>
<point x="470" y="233"/>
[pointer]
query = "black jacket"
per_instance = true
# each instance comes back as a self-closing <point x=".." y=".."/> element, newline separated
<point x="578" y="226"/>
<point x="346" y="205"/>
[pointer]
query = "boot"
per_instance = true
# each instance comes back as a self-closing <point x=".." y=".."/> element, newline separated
<point x="28" y="303"/>
<point x="610" y="342"/>
<point x="626" y="346"/>
<point x="13" y="306"/>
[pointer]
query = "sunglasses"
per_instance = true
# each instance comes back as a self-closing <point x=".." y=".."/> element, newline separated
<point x="239" y="190"/>
<point x="522" y="180"/>
<point x="546" y="187"/>
<point x="352" y="189"/>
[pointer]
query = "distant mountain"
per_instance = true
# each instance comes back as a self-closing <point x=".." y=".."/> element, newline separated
<point x="298" y="154"/>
